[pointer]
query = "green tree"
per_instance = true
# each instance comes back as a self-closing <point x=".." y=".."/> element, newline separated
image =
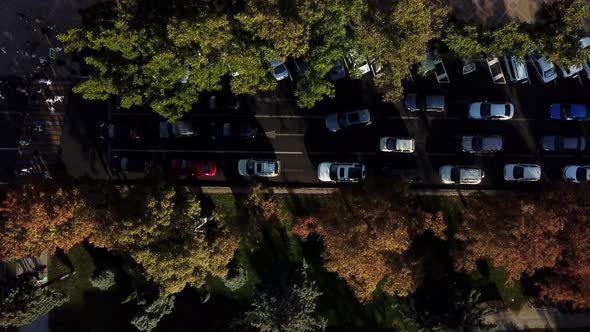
<point x="510" y="39"/>
<point x="465" y="41"/>
<point x="157" y="227"/>
<point x="289" y="308"/>
<point x="21" y="301"/>
<point x="398" y="38"/>
<point x="148" y="316"/>
<point x="103" y="279"/>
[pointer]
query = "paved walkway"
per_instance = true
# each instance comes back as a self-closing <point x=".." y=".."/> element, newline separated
<point x="537" y="318"/>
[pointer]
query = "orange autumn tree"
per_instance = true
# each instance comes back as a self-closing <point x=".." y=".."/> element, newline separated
<point x="38" y="218"/>
<point x="519" y="235"/>
<point x="367" y="240"/>
<point x="569" y="280"/>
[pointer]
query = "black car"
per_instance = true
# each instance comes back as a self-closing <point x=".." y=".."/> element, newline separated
<point x="120" y="131"/>
<point x="120" y="164"/>
<point x="233" y="129"/>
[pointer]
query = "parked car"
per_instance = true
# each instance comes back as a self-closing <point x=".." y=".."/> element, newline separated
<point x="279" y="70"/>
<point x="259" y="167"/>
<point x="338" y="121"/>
<point x="568" y="112"/>
<point x="224" y="102"/>
<point x="337" y="72"/>
<point x="491" y="111"/>
<point x="585" y="43"/>
<point x="434" y="103"/>
<point x="180" y="128"/>
<point x="482" y="144"/>
<point x="341" y="172"/>
<point x="522" y="172"/>
<point x="516" y="69"/>
<point x="460" y="174"/>
<point x="571" y="71"/>
<point x="188" y="168"/>
<point x="440" y="71"/>
<point x="356" y="62"/>
<point x="121" y="164"/>
<point x="546" y="70"/>
<point x="397" y="144"/>
<point x="119" y="131"/>
<point x="496" y="71"/>
<point x="563" y="143"/>
<point x="576" y="174"/>
<point x="234" y="129"/>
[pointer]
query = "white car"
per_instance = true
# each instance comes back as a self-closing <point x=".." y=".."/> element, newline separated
<point x="338" y="121"/>
<point x="482" y="144"/>
<point x="522" y="172"/>
<point x="460" y="174"/>
<point x="397" y="144"/>
<point x="259" y="167"/>
<point x="491" y="111"/>
<point x="585" y="43"/>
<point x="546" y="70"/>
<point x="279" y="70"/>
<point x="496" y="71"/>
<point x="516" y="69"/>
<point x="576" y="174"/>
<point x="571" y="71"/>
<point x="341" y="172"/>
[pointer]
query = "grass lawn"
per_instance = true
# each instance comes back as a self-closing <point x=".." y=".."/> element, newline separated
<point x="511" y="293"/>
<point x="89" y="309"/>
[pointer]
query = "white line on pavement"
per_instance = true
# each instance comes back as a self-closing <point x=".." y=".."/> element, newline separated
<point x="292" y="170"/>
<point x="279" y="134"/>
<point x="209" y="151"/>
<point x="9" y="149"/>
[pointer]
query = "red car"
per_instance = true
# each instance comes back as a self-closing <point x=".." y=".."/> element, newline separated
<point x="180" y="168"/>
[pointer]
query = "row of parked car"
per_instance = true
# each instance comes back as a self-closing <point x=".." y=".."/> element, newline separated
<point x="450" y="174"/>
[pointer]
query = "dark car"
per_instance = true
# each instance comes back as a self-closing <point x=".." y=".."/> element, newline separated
<point x="233" y="129"/>
<point x="120" y="164"/>
<point x="120" y="131"/>
<point x="182" y="168"/>
<point x="568" y="112"/>
<point x="563" y="143"/>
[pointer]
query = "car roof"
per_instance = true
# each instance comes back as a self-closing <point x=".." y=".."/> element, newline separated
<point x="578" y="110"/>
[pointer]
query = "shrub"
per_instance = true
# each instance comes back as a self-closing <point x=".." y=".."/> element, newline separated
<point x="103" y="280"/>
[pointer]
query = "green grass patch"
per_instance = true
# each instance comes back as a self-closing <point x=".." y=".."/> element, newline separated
<point x="11" y="269"/>
<point x="76" y="284"/>
<point x="246" y="292"/>
<point x="511" y="293"/>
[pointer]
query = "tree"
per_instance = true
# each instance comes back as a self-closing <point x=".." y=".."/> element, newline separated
<point x="21" y="301"/>
<point x="510" y="236"/>
<point x="569" y="280"/>
<point x="367" y="240"/>
<point x="39" y="218"/>
<point x="103" y="279"/>
<point x="465" y="41"/>
<point x="176" y="52"/>
<point x="157" y="228"/>
<point x="148" y="316"/>
<point x="560" y="33"/>
<point x="398" y="37"/>
<point x="289" y="308"/>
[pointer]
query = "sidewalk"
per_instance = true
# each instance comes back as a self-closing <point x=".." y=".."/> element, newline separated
<point x="537" y="318"/>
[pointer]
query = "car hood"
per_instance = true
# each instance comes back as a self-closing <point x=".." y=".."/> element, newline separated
<point x="324" y="171"/>
<point x="578" y="111"/>
<point x="332" y="122"/>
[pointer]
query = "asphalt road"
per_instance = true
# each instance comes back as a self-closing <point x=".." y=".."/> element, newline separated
<point x="300" y="140"/>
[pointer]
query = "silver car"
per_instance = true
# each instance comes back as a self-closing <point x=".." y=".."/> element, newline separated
<point x="259" y="167"/>
<point x="338" y="121"/>
<point x="279" y="70"/>
<point x="482" y="144"/>
<point x="522" y="172"/>
<point x="397" y="144"/>
<point x="491" y="111"/>
<point x="576" y="174"/>
<point x="563" y="143"/>
<point x="341" y="172"/>
<point x="460" y="174"/>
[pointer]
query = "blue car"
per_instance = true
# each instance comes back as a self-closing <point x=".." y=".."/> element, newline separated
<point x="568" y="112"/>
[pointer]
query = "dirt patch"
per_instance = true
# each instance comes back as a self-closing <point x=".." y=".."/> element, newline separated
<point x="495" y="12"/>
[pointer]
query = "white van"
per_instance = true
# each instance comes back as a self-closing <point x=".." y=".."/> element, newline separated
<point x="516" y="68"/>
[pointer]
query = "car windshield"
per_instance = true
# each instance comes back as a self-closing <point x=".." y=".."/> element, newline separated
<point x="342" y="120"/>
<point x="250" y="166"/>
<point x="485" y="110"/>
<point x="354" y="117"/>
<point x="280" y="69"/>
<point x="476" y="143"/>
<point x="390" y="144"/>
<point x="581" y="174"/>
<point x="507" y="110"/>
<point x="549" y="72"/>
<point x="565" y="110"/>
<point x="334" y="172"/>
<point x="558" y="142"/>
<point x="518" y="172"/>
<point x="455" y="174"/>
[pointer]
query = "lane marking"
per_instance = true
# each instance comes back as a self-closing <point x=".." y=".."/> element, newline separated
<point x="209" y="151"/>
<point x="294" y="170"/>
<point x="287" y="135"/>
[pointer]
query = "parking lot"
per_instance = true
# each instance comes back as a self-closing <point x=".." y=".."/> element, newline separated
<point x="300" y="140"/>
